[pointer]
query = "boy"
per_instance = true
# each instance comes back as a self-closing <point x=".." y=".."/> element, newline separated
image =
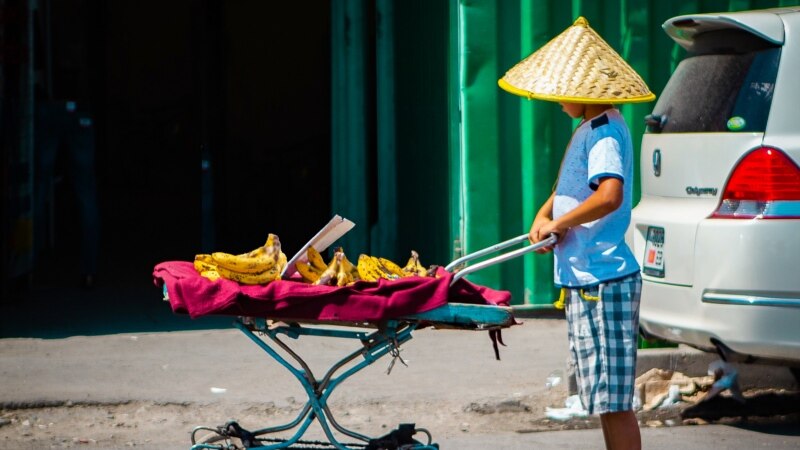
<point x="590" y="212"/>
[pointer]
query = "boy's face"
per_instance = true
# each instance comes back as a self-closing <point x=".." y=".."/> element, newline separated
<point x="574" y="110"/>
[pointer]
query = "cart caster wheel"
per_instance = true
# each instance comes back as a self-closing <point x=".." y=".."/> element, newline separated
<point x="222" y="442"/>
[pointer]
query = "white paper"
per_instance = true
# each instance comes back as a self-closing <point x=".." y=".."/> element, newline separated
<point x="330" y="233"/>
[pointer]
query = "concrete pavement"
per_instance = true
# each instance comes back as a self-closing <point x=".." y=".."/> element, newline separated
<point x="111" y="346"/>
<point x="182" y="366"/>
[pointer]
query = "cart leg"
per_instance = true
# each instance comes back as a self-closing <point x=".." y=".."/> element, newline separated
<point x="375" y="346"/>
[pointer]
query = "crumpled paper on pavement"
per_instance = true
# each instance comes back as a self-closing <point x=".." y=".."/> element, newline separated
<point x="659" y="388"/>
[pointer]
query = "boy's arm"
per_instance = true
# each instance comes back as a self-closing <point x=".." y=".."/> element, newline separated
<point x="605" y="200"/>
<point x="544" y="216"/>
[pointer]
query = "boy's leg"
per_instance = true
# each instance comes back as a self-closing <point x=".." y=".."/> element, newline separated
<point x="621" y="430"/>
<point x="604" y="334"/>
<point x="621" y="317"/>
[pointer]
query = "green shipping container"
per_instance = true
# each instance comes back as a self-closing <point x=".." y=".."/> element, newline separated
<point x="430" y="154"/>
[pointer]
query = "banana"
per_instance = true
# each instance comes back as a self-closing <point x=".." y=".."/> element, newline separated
<point x="343" y="276"/>
<point x="201" y="266"/>
<point x="309" y="273"/>
<point x="244" y="264"/>
<point x="204" y="268"/>
<point x="282" y="261"/>
<point x="414" y="266"/>
<point x="315" y="259"/>
<point x="382" y="270"/>
<point x="391" y="267"/>
<point x="350" y="268"/>
<point x="249" y="278"/>
<point x="212" y="275"/>
<point x="206" y="258"/>
<point x="367" y="270"/>
<point x="330" y="271"/>
<point x="258" y="266"/>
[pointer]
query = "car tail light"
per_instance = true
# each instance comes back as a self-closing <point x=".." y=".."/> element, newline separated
<point x="765" y="185"/>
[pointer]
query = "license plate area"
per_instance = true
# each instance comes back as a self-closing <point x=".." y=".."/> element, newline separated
<point x="654" y="253"/>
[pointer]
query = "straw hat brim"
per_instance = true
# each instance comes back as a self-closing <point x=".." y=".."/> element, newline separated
<point x="577" y="66"/>
<point x="567" y="99"/>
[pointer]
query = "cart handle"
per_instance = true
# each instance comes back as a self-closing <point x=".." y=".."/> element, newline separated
<point x="551" y="240"/>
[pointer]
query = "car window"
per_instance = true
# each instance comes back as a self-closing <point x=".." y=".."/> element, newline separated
<point x="718" y="89"/>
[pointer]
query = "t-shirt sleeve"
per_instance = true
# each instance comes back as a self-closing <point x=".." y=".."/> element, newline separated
<point x="605" y="160"/>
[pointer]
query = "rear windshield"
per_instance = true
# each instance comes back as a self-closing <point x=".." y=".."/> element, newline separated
<point x="718" y="89"/>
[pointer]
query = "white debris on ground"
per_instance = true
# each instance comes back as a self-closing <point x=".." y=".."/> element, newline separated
<point x="573" y="409"/>
<point x="658" y="388"/>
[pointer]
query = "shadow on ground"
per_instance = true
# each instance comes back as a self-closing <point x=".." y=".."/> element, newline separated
<point x="53" y="304"/>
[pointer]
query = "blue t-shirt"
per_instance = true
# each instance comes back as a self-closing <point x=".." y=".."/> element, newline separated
<point x="594" y="252"/>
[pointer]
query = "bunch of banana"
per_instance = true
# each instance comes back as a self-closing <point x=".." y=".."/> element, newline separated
<point x="311" y="270"/>
<point x="414" y="266"/>
<point x="341" y="272"/>
<point x="371" y="268"/>
<point x="260" y="266"/>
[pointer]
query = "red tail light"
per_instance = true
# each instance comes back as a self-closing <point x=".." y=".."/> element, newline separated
<point x="765" y="184"/>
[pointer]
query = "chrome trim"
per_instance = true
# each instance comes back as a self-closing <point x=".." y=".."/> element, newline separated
<point x="750" y="300"/>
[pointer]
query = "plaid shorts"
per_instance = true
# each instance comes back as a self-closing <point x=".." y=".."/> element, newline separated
<point x="603" y="337"/>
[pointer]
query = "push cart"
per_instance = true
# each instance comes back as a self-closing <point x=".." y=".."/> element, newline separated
<point x="383" y="317"/>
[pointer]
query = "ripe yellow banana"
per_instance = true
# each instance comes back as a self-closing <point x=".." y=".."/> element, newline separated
<point x="385" y="271"/>
<point x="201" y="266"/>
<point x="309" y="273"/>
<point x="315" y="259"/>
<point x="243" y="264"/>
<point x="206" y="258"/>
<point x="259" y="266"/>
<point x="349" y="267"/>
<point x="282" y="261"/>
<point x="343" y="276"/>
<point x="212" y="275"/>
<point x="329" y="275"/>
<point x="414" y="266"/>
<point x="367" y="270"/>
<point x="250" y="278"/>
<point x="391" y="267"/>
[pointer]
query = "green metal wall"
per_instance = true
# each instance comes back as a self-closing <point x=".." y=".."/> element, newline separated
<point x="509" y="148"/>
<point x="429" y="154"/>
<point x="390" y="126"/>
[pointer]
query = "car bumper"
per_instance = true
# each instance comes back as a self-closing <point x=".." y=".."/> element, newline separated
<point x="748" y="325"/>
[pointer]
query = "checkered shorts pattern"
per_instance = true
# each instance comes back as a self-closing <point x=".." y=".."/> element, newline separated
<point x="603" y="337"/>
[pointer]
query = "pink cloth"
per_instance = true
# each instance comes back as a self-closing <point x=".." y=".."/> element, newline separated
<point x="189" y="293"/>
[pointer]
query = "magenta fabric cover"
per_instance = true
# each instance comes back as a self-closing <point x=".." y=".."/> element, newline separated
<point x="190" y="293"/>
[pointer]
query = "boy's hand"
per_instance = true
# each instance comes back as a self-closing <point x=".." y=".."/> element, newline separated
<point x="539" y="233"/>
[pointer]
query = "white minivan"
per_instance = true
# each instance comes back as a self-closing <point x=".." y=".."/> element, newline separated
<point x="717" y="230"/>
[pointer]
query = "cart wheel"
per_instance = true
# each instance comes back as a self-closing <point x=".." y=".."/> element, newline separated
<point x="224" y="442"/>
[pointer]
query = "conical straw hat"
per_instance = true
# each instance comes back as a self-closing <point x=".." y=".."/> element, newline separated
<point x="577" y="66"/>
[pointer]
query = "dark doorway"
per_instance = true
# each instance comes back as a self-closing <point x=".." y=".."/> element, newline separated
<point x="212" y="126"/>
